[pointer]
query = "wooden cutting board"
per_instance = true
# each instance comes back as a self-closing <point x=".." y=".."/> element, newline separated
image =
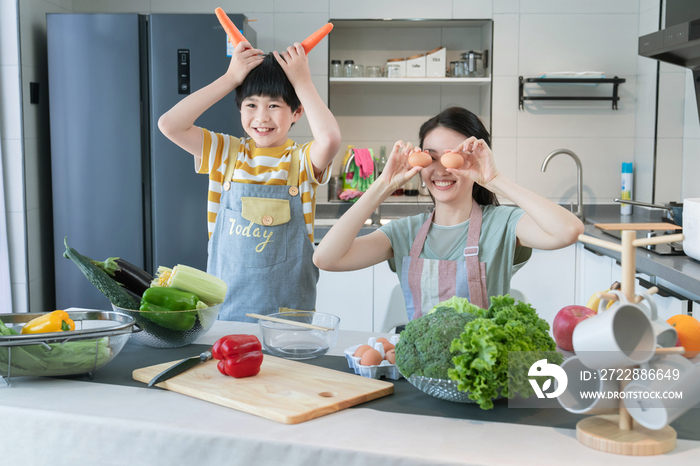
<point x="637" y="226"/>
<point x="284" y="391"/>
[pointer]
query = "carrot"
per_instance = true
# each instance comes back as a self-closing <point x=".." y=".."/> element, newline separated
<point x="313" y="40"/>
<point x="229" y="27"/>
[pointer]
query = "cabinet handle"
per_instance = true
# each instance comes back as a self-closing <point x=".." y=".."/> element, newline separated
<point x="663" y="291"/>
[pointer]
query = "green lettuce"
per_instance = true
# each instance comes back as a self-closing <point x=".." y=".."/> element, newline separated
<point x="458" y="304"/>
<point x="481" y="351"/>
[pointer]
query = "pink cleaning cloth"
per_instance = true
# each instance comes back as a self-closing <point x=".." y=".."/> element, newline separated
<point x="363" y="160"/>
<point x="349" y="194"/>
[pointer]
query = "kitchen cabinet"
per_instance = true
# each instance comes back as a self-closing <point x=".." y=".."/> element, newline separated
<point x="548" y="281"/>
<point x="348" y="295"/>
<point x="594" y="273"/>
<point x="375" y="112"/>
<point x="389" y="305"/>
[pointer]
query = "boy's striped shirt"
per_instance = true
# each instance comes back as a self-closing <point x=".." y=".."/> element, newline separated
<point x="257" y="166"/>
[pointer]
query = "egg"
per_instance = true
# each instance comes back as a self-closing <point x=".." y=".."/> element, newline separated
<point x="422" y="159"/>
<point x="385" y="343"/>
<point x="361" y="350"/>
<point x="371" y="357"/>
<point x="452" y="160"/>
<point x="390" y="356"/>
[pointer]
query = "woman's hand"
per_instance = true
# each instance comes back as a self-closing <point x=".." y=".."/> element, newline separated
<point x="397" y="170"/>
<point x="478" y="165"/>
<point x="295" y="64"/>
<point x="244" y="59"/>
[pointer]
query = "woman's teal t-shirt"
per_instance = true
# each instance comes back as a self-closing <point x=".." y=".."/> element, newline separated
<point x="496" y="244"/>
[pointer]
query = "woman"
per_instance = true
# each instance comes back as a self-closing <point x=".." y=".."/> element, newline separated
<point x="469" y="246"/>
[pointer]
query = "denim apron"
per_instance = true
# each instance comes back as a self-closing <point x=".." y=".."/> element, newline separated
<point x="426" y="282"/>
<point x="260" y="247"/>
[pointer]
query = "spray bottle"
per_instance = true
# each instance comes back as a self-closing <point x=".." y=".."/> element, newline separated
<point x="626" y="209"/>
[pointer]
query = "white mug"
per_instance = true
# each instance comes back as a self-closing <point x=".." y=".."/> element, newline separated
<point x="655" y="412"/>
<point x="666" y="335"/>
<point x="621" y="336"/>
<point x="572" y="399"/>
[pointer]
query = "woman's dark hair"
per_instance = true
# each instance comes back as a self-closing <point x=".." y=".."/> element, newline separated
<point x="268" y="79"/>
<point x="464" y="122"/>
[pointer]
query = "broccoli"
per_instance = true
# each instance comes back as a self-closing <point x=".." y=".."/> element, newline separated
<point x="424" y="347"/>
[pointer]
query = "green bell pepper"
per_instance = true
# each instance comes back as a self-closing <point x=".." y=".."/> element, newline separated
<point x="160" y="306"/>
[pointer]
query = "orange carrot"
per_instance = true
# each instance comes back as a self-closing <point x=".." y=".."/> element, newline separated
<point x="313" y="40"/>
<point x="229" y="27"/>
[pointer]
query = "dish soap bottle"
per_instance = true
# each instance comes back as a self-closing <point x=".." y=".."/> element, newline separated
<point x="626" y="188"/>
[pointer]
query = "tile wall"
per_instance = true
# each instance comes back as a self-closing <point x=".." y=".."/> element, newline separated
<point x="530" y="37"/>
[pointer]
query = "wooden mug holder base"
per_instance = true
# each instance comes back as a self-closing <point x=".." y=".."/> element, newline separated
<point x="604" y="434"/>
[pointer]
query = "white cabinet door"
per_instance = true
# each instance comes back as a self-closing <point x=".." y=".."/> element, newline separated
<point x="595" y="273"/>
<point x="389" y="304"/>
<point x="347" y="295"/>
<point x="548" y="281"/>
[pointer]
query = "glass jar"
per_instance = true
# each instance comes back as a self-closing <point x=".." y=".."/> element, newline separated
<point x="453" y="69"/>
<point x="358" y="71"/>
<point x="348" y="67"/>
<point x="336" y="70"/>
<point x="373" y="72"/>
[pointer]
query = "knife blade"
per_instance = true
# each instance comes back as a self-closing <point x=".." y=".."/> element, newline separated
<point x="180" y="367"/>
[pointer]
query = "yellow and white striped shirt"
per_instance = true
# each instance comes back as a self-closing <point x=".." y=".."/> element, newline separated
<point x="257" y="166"/>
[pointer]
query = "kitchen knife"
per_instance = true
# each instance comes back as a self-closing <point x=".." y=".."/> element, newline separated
<point x="180" y="367"/>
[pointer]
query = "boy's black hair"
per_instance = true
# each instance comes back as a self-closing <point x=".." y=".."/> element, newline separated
<point x="466" y="123"/>
<point x="268" y="79"/>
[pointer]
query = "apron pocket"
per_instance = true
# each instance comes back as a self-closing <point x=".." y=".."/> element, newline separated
<point x="257" y="237"/>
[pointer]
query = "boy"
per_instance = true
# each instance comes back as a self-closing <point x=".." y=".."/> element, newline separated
<point x="262" y="189"/>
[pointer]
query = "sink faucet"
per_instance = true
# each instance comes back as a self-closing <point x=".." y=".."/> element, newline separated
<point x="579" y="180"/>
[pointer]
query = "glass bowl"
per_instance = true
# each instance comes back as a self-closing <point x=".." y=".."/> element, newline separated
<point x="158" y="336"/>
<point x="293" y="342"/>
<point x="440" y="388"/>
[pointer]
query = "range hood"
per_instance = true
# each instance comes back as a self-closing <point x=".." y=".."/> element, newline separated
<point x="679" y="45"/>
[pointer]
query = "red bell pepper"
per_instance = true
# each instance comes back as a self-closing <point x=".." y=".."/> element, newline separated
<point x="239" y="355"/>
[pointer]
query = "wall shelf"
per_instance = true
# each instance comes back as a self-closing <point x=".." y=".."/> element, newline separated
<point x="614" y="81"/>
<point x="411" y="80"/>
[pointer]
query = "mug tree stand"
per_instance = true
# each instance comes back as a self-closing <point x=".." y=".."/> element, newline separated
<point x="618" y="433"/>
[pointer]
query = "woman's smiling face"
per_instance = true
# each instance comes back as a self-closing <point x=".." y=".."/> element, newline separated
<point x="443" y="185"/>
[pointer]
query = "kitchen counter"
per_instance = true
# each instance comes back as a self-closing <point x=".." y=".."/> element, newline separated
<point x="67" y="422"/>
<point x="681" y="271"/>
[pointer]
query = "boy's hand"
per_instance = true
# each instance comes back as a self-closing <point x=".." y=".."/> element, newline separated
<point x="295" y="64"/>
<point x="397" y="170"/>
<point x="244" y="59"/>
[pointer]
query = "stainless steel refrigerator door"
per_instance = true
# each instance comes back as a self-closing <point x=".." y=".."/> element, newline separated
<point x="95" y="146"/>
<point x="179" y="194"/>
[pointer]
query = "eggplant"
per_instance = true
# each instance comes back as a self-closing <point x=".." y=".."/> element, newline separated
<point x="131" y="277"/>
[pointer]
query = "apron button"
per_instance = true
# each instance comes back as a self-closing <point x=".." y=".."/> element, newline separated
<point x="267" y="220"/>
<point x="293" y="191"/>
<point x="227" y="186"/>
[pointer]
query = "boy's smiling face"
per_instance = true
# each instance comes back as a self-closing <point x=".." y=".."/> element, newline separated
<point x="268" y="119"/>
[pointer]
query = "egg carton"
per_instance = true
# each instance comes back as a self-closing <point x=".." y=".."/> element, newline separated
<point x="386" y="369"/>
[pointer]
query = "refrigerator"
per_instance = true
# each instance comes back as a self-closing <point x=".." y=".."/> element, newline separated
<point x="119" y="187"/>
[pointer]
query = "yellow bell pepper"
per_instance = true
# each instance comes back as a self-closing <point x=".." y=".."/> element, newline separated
<point x="56" y="321"/>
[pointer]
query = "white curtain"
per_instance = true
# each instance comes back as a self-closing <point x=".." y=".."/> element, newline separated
<point x="5" y="286"/>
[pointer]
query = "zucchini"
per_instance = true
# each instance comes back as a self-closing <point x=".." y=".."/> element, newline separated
<point x="110" y="288"/>
<point x="126" y="274"/>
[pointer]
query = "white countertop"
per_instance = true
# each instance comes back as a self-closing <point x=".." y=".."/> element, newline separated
<point x="56" y="422"/>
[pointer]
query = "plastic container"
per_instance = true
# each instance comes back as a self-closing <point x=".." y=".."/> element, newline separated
<point x="385" y="369"/>
<point x="626" y="188"/>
